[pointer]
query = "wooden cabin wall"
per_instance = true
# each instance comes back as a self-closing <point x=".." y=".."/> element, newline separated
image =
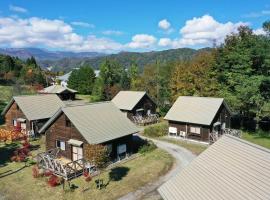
<point x="15" y="112"/>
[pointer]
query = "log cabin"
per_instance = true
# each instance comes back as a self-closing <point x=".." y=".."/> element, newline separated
<point x="73" y="127"/>
<point x="29" y="113"/>
<point x="135" y="104"/>
<point x="198" y="117"/>
<point x="64" y="93"/>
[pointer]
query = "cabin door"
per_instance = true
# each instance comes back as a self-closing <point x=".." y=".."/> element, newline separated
<point x="77" y="153"/>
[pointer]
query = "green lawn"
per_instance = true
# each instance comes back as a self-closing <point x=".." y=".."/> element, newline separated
<point x="84" y="97"/>
<point x="260" y="138"/>
<point x="5" y="93"/>
<point x="120" y="180"/>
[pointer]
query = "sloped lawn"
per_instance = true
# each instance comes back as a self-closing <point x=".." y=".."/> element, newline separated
<point x="120" y="180"/>
<point x="259" y="138"/>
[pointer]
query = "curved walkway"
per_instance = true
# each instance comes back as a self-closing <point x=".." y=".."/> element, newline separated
<point x="182" y="158"/>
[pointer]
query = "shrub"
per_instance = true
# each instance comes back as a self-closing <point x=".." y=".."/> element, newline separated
<point x="35" y="172"/>
<point x="148" y="147"/>
<point x="88" y="178"/>
<point x="54" y="181"/>
<point x="85" y="173"/>
<point x="13" y="158"/>
<point x="157" y="130"/>
<point x="48" y="173"/>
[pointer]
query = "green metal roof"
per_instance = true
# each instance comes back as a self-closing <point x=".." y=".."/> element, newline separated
<point x="56" y="89"/>
<point x="97" y="122"/>
<point x="127" y="100"/>
<point x="230" y="169"/>
<point x="197" y="110"/>
<point x="37" y="106"/>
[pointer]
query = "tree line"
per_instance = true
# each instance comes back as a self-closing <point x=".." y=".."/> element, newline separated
<point x="14" y="70"/>
<point x="237" y="70"/>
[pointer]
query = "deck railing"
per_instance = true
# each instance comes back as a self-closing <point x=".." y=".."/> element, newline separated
<point x="149" y="119"/>
<point x="214" y="136"/>
<point x="50" y="161"/>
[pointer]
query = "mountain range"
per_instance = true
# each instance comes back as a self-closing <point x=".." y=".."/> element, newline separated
<point x="66" y="61"/>
<point x="44" y="54"/>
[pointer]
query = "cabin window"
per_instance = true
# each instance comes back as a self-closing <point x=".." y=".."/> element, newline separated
<point x="68" y="122"/>
<point x="14" y="122"/>
<point x="196" y="130"/>
<point x="61" y="144"/>
<point x="173" y="131"/>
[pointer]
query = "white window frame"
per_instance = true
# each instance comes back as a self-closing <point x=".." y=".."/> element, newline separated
<point x="62" y="144"/>
<point x="172" y="131"/>
<point x="195" y="130"/>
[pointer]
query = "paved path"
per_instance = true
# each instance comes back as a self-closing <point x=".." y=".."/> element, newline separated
<point x="182" y="158"/>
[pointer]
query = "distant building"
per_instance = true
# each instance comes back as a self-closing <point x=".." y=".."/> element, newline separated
<point x="72" y="127"/>
<point x="64" y="79"/>
<point x="197" y="117"/>
<point x="135" y="103"/>
<point x="64" y="93"/>
<point x="230" y="169"/>
<point x="29" y="113"/>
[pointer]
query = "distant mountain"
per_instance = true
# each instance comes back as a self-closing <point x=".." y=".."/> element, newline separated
<point x="43" y="54"/>
<point x="124" y="58"/>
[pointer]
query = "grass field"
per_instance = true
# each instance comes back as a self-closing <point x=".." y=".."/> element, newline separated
<point x="260" y="138"/>
<point x="120" y="180"/>
<point x="6" y="93"/>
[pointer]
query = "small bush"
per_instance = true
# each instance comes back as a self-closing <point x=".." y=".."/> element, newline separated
<point x="48" y="173"/>
<point x="157" y="130"/>
<point x="35" y="172"/>
<point x="88" y="178"/>
<point x="148" y="147"/>
<point x="54" y="181"/>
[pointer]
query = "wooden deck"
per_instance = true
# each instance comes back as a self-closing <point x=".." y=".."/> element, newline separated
<point x="150" y="119"/>
<point x="64" y="167"/>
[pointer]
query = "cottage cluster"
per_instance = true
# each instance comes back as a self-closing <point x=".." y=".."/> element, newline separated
<point x="69" y="125"/>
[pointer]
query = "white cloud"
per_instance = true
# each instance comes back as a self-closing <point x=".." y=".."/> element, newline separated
<point x="83" y="24"/>
<point x="142" y="41"/>
<point x="202" y="31"/>
<point x="164" y="24"/>
<point x="17" y="9"/>
<point x="165" y="42"/>
<point x="259" y="31"/>
<point x="16" y="32"/>
<point x="257" y="14"/>
<point x="112" y="32"/>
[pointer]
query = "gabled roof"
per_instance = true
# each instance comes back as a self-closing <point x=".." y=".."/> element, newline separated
<point x="127" y="100"/>
<point x="230" y="169"/>
<point x="197" y="110"/>
<point x="36" y="107"/>
<point x="64" y="77"/>
<point x="97" y="122"/>
<point x="56" y="89"/>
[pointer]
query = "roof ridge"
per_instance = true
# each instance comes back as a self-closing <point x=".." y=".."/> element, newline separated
<point x="34" y="95"/>
<point x="248" y="143"/>
<point x="202" y="97"/>
<point x="86" y="104"/>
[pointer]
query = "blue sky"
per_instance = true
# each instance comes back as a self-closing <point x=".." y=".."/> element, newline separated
<point x="122" y="25"/>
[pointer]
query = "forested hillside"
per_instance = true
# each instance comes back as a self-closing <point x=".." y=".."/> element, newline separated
<point x="13" y="71"/>
<point x="237" y="70"/>
<point x="124" y="59"/>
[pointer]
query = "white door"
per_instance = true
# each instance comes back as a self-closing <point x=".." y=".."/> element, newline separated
<point x="77" y="153"/>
